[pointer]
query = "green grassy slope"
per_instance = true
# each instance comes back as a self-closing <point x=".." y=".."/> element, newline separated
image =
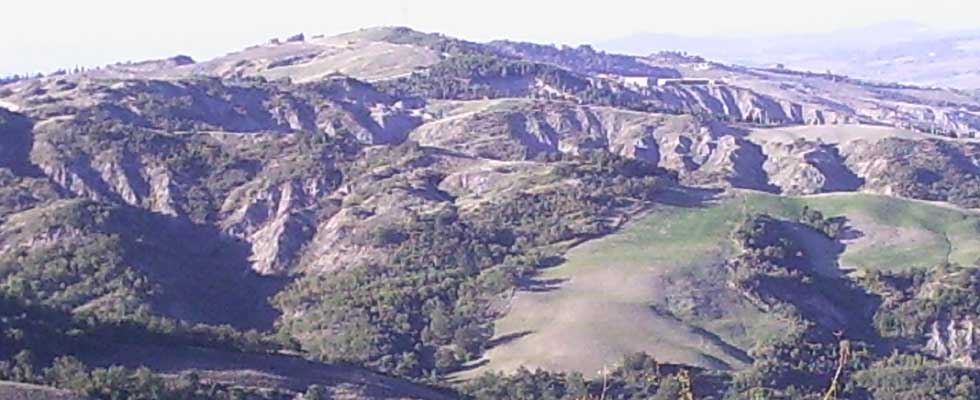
<point x="658" y="285"/>
<point x="891" y="233"/>
<point x="627" y="292"/>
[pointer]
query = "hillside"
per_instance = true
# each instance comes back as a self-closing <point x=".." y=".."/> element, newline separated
<point x="396" y="214"/>
<point x="656" y="286"/>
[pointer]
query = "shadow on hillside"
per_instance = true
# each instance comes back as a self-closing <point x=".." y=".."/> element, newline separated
<point x="551" y="262"/>
<point x="840" y="178"/>
<point x="849" y="232"/>
<point x="688" y="197"/>
<point x="16" y="142"/>
<point x="469" y="367"/>
<point x="820" y="253"/>
<point x="507" y="339"/>
<point x="827" y="296"/>
<point x="709" y="337"/>
<point x="750" y="172"/>
<point x="202" y="274"/>
<point x="536" y="285"/>
<point x="719" y="129"/>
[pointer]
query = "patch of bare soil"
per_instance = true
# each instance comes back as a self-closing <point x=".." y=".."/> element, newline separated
<point x="874" y="234"/>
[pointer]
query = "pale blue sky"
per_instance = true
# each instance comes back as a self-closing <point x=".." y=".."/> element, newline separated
<point x="42" y="35"/>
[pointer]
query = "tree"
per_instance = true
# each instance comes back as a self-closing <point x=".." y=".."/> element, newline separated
<point x="387" y="235"/>
<point x="670" y="389"/>
<point x="111" y="383"/>
<point x="445" y="360"/>
<point x="148" y="384"/>
<point x="188" y="382"/>
<point x="68" y="373"/>
<point x="316" y="392"/>
<point x="470" y="340"/>
<point x="576" y="386"/>
<point x="23" y="367"/>
<point x="440" y="324"/>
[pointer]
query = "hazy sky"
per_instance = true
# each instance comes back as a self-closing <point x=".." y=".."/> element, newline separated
<point x="42" y="35"/>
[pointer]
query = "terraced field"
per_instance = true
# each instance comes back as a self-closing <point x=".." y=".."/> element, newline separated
<point x="658" y="284"/>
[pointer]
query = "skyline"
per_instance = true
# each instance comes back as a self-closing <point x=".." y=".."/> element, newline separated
<point x="100" y="32"/>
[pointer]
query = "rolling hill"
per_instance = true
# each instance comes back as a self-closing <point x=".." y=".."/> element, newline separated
<point x="396" y="214"/>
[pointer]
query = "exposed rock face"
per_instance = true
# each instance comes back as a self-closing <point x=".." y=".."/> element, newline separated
<point x="523" y="130"/>
<point x="703" y="152"/>
<point x="740" y="104"/>
<point x="269" y="199"/>
<point x="954" y="341"/>
<point x="275" y="219"/>
<point x="804" y="167"/>
<point x="830" y="99"/>
<point x="384" y="196"/>
<point x="736" y="161"/>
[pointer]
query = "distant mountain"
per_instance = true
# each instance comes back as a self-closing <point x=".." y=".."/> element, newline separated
<point x="895" y="52"/>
